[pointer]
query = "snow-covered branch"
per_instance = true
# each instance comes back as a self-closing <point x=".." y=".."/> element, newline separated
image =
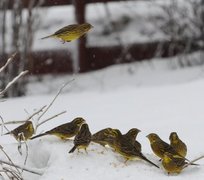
<point x="23" y="73"/>
<point x="8" y="62"/>
<point x="31" y="170"/>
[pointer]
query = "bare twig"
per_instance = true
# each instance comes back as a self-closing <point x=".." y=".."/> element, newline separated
<point x="191" y="162"/>
<point x="19" y="148"/>
<point x="3" y="125"/>
<point x="13" y="122"/>
<point x="12" y="174"/>
<point x="8" y="62"/>
<point x="35" y="113"/>
<point x="34" y="171"/>
<point x="60" y="90"/>
<point x="12" y="82"/>
<point x="201" y="157"/>
<point x="26" y="157"/>
<point x="50" y="119"/>
<point x="23" y="121"/>
<point x="9" y="158"/>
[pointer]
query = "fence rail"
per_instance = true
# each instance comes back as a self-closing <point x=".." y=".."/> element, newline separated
<point x="60" y="61"/>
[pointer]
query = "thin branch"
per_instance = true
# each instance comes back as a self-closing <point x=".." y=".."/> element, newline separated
<point x="23" y="121"/>
<point x="34" y="171"/>
<point x="191" y="162"/>
<point x="8" y="62"/>
<point x="60" y="90"/>
<point x="13" y="174"/>
<point x="13" y="81"/>
<point x="26" y="157"/>
<point x="9" y="158"/>
<point x="35" y="113"/>
<point x="50" y="119"/>
<point x="13" y="122"/>
<point x="3" y="125"/>
<point x="201" y="157"/>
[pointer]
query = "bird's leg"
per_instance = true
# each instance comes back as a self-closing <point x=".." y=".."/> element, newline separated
<point x="86" y="151"/>
<point x="63" y="41"/>
<point x="125" y="162"/>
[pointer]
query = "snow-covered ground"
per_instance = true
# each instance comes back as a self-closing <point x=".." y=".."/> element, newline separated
<point x="154" y="96"/>
<point x="150" y="97"/>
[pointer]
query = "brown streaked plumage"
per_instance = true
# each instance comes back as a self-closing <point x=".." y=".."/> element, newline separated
<point x="132" y="135"/>
<point x="126" y="147"/>
<point x="71" y="32"/>
<point x="159" y="147"/>
<point x="23" y="132"/>
<point x="105" y="137"/>
<point x="174" y="163"/>
<point x="82" y="139"/>
<point x="66" y="130"/>
<point x="178" y="144"/>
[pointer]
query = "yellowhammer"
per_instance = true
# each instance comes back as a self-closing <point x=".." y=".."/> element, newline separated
<point x="66" y="130"/>
<point x="82" y="139"/>
<point x="177" y="144"/>
<point x="71" y="32"/>
<point x="159" y="147"/>
<point x="104" y="137"/>
<point x="23" y="132"/>
<point x="174" y="163"/>
<point x="126" y="147"/>
<point x="132" y="135"/>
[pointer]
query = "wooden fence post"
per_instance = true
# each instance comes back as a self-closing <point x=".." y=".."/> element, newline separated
<point x="80" y="10"/>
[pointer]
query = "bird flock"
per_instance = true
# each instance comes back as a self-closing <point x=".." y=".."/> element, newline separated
<point x="173" y="155"/>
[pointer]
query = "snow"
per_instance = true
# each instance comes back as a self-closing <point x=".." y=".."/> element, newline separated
<point x="151" y="98"/>
<point x="156" y="96"/>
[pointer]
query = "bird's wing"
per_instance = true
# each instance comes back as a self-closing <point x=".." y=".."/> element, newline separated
<point x="65" y="29"/>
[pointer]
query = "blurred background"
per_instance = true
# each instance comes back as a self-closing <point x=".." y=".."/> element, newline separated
<point x="128" y="31"/>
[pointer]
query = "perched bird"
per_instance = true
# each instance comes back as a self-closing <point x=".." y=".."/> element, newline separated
<point x="177" y="144"/>
<point x="66" y="130"/>
<point x="132" y="135"/>
<point x="126" y="147"/>
<point x="159" y="147"/>
<point x="105" y="136"/>
<point x="71" y="32"/>
<point x="174" y="163"/>
<point x="82" y="139"/>
<point x="23" y="132"/>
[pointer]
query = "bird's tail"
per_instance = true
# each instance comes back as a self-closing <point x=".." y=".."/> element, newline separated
<point x="47" y="37"/>
<point x="147" y="160"/>
<point x="39" y="135"/>
<point x="8" y="133"/>
<point x="73" y="149"/>
<point x="192" y="162"/>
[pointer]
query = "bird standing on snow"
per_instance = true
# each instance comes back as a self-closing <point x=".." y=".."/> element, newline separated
<point x="23" y="132"/>
<point x="159" y="147"/>
<point x="104" y="137"/>
<point x="174" y="163"/>
<point x="132" y="135"/>
<point x="126" y="147"/>
<point x="82" y="139"/>
<point x="66" y="130"/>
<point x="177" y="144"/>
<point x="71" y="32"/>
